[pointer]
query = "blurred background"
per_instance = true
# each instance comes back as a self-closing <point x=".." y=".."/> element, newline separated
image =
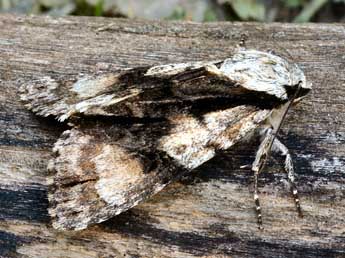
<point x="192" y="10"/>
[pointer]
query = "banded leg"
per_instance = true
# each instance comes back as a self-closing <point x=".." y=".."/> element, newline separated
<point x="280" y="148"/>
<point x="258" y="165"/>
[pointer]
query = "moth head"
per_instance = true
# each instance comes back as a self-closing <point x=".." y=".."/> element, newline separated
<point x="265" y="72"/>
<point x="299" y="83"/>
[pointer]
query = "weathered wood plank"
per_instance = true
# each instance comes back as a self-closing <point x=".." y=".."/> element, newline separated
<point x="210" y="214"/>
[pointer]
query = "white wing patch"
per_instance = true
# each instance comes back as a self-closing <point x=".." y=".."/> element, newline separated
<point x="192" y="142"/>
<point x="88" y="87"/>
<point x="117" y="171"/>
<point x="173" y="69"/>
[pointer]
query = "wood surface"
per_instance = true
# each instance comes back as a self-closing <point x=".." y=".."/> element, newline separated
<point x="209" y="213"/>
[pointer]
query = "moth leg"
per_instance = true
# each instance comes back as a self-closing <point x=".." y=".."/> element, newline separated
<point x="280" y="148"/>
<point x="258" y="165"/>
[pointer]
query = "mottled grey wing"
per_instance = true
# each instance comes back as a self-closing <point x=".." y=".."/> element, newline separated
<point x="89" y="94"/>
<point x="158" y="91"/>
<point x="103" y="169"/>
<point x="247" y="78"/>
<point x="133" y="92"/>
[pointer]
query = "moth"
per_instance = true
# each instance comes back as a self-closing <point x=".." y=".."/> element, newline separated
<point x="133" y="131"/>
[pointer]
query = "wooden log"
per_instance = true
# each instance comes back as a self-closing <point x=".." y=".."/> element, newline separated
<point x="210" y="213"/>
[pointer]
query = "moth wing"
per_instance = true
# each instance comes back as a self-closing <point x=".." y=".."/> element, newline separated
<point x="102" y="93"/>
<point x="102" y="170"/>
<point x="63" y="98"/>
<point x="95" y="178"/>
<point x="247" y="77"/>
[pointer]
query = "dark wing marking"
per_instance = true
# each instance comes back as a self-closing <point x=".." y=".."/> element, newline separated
<point x="63" y="98"/>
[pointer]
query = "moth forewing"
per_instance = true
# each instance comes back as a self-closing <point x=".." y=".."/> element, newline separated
<point x="193" y="141"/>
<point x="143" y="127"/>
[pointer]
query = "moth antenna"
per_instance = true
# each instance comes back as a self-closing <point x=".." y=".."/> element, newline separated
<point x="243" y="40"/>
<point x="242" y="43"/>
<point x="283" y="49"/>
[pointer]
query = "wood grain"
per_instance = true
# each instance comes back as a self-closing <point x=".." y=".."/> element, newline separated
<point x="208" y="214"/>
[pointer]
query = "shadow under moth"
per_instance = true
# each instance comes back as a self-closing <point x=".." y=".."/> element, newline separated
<point x="135" y="130"/>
